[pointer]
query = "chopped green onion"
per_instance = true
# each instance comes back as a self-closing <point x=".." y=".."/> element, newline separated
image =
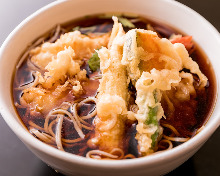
<point x="85" y="30"/>
<point x="125" y="22"/>
<point x="76" y="28"/>
<point x="88" y="29"/>
<point x="94" y="62"/>
<point x="154" y="139"/>
<point x="130" y="15"/>
<point x="152" y="119"/>
<point x="109" y="16"/>
<point x="155" y="95"/>
<point x="152" y="116"/>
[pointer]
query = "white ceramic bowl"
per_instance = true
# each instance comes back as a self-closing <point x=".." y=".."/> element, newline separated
<point x="167" y="11"/>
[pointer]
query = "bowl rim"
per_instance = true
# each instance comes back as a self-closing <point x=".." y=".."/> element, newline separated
<point x="27" y="138"/>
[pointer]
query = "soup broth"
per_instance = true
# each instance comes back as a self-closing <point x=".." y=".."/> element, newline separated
<point x="189" y="115"/>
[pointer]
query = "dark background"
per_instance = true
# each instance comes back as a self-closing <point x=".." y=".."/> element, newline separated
<point x="16" y="159"/>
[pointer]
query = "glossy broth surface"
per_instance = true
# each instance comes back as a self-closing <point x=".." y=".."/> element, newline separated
<point x="189" y="116"/>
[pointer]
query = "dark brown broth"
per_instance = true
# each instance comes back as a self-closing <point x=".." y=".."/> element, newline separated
<point x="201" y="111"/>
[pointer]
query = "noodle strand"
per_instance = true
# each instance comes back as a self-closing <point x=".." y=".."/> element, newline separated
<point x="58" y="133"/>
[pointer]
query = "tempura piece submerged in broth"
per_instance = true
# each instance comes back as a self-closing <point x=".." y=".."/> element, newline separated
<point x="113" y="94"/>
<point x="154" y="66"/>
